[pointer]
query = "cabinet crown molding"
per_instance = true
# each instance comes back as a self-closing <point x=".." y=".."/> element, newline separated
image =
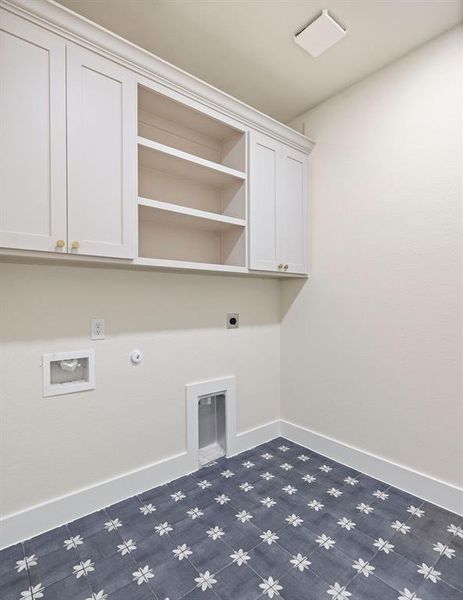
<point x="80" y="30"/>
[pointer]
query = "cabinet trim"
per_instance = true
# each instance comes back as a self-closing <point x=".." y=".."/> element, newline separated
<point x="94" y="37"/>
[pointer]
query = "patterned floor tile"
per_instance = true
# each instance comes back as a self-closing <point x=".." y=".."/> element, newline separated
<point x="441" y="514"/>
<point x="77" y="589"/>
<point x="298" y="584"/>
<point x="354" y="543"/>
<point x="133" y="591"/>
<point x="99" y="545"/>
<point x="88" y="525"/>
<point x="451" y="571"/>
<point x="333" y="565"/>
<point x="456" y="543"/>
<point x="46" y="542"/>
<point x="235" y="582"/>
<point x="396" y="571"/>
<point x="278" y="521"/>
<point x="269" y="560"/>
<point x="53" y="567"/>
<point x="297" y="540"/>
<point x="150" y="550"/>
<point x="242" y="535"/>
<point x="432" y="530"/>
<point x="12" y="584"/>
<point x="173" y="578"/>
<point x="209" y="555"/>
<point x="111" y="574"/>
<point x="441" y="591"/>
<point x="10" y="556"/>
<point x="371" y="588"/>
<point x="415" y="549"/>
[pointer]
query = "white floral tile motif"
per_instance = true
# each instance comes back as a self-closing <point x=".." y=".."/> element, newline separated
<point x="26" y="563"/>
<point x="240" y="557"/>
<point x="205" y="581"/>
<point x="269" y="537"/>
<point x="300" y="562"/>
<point x="363" y="567"/>
<point x="383" y="545"/>
<point x="294" y="520"/>
<point x="203" y="529"/>
<point x="126" y="547"/>
<point x="182" y="551"/>
<point x="178" y="496"/>
<point x="215" y="533"/>
<point x="346" y="523"/>
<point x="271" y="588"/>
<point x="83" y="568"/>
<point x="143" y="575"/>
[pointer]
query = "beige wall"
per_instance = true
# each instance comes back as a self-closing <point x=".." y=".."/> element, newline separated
<point x="136" y="415"/>
<point x="371" y="343"/>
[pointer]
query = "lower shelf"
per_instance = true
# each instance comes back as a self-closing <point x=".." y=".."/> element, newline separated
<point x="172" y="237"/>
<point x="162" y="263"/>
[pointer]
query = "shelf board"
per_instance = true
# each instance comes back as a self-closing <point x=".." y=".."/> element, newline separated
<point x="176" y="214"/>
<point x="188" y="265"/>
<point x="188" y="166"/>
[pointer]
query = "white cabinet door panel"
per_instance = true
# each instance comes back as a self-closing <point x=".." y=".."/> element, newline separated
<point x="264" y="166"/>
<point x="102" y="112"/>
<point x="32" y="136"/>
<point x="292" y="211"/>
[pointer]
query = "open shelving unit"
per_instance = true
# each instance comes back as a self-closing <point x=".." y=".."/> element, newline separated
<point x="192" y="185"/>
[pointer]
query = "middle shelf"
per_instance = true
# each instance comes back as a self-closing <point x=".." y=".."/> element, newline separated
<point x="168" y="213"/>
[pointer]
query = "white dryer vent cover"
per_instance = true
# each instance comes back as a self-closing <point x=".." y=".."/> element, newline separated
<point x="320" y="35"/>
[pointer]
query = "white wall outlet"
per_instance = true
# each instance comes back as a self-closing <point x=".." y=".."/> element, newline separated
<point x="98" y="329"/>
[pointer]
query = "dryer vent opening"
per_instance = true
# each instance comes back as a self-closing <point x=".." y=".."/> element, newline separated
<point x="211" y="428"/>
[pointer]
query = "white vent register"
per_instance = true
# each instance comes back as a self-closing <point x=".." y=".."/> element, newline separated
<point x="320" y="35"/>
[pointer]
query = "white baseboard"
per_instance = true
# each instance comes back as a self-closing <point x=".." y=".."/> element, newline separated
<point x="428" y="488"/>
<point x="255" y="436"/>
<point x="37" y="519"/>
<point x="40" y="518"/>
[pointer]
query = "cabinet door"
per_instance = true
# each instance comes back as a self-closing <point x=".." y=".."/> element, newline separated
<point x="263" y="194"/>
<point x="101" y="112"/>
<point x="32" y="136"/>
<point x="292" y="211"/>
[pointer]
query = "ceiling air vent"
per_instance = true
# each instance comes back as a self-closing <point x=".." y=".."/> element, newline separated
<point x="320" y="35"/>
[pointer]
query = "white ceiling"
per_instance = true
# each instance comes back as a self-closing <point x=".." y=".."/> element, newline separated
<point x="246" y="47"/>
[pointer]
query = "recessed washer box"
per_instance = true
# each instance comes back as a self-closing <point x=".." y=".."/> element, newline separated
<point x="320" y="35"/>
<point x="68" y="372"/>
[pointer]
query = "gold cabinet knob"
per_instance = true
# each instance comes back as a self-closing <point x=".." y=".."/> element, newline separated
<point x="75" y="245"/>
<point x="280" y="266"/>
<point x="285" y="267"/>
<point x="60" y="244"/>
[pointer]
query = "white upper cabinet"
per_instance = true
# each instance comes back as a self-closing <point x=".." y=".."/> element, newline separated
<point x="107" y="152"/>
<point x="264" y="182"/>
<point x="102" y="121"/>
<point x="278" y="207"/>
<point x="32" y="137"/>
<point x="292" y="211"/>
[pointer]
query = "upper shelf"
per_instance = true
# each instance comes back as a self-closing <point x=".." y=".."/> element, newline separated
<point x="182" y="164"/>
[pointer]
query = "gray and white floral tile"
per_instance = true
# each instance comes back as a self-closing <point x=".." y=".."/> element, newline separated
<point x="276" y="522"/>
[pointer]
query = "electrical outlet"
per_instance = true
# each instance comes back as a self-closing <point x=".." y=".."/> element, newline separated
<point x="233" y="320"/>
<point x="98" y="329"/>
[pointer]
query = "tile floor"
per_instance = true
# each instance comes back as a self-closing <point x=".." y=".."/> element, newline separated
<point x="278" y="521"/>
